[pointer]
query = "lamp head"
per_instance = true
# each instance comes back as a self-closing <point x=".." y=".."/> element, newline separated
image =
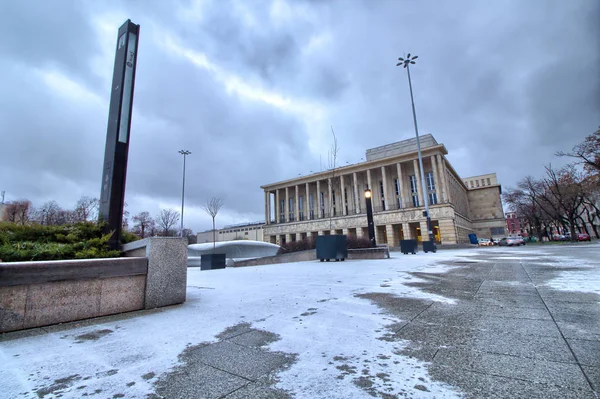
<point x="367" y="193"/>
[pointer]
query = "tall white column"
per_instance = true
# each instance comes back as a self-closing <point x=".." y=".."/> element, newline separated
<point x="386" y="198"/>
<point x="296" y="205"/>
<point x="418" y="182"/>
<point x="401" y="185"/>
<point x="307" y="203"/>
<point x="286" y="217"/>
<point x="356" y="196"/>
<point x="443" y="180"/>
<point x="369" y="179"/>
<point x="330" y="198"/>
<point x="343" y="193"/>
<point x="267" y="207"/>
<point x="277" y="206"/>
<point x="318" y="200"/>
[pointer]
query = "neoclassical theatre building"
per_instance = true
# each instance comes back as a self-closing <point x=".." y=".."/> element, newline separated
<point x="333" y="201"/>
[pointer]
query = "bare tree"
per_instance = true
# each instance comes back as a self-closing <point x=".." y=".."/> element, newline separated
<point x="212" y="207"/>
<point x="587" y="153"/>
<point x="564" y="195"/>
<point x="143" y="223"/>
<point x="86" y="209"/>
<point x="18" y="211"/>
<point x="332" y="161"/>
<point x="167" y="219"/>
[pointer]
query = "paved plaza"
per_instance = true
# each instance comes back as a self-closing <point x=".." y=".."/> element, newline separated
<point x="476" y="323"/>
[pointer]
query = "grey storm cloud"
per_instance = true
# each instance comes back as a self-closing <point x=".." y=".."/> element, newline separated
<point x="502" y="84"/>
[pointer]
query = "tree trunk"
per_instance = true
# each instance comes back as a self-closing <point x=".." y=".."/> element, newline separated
<point x="214" y="242"/>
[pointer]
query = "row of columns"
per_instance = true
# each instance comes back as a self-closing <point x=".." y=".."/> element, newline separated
<point x="438" y="169"/>
<point x="391" y="232"/>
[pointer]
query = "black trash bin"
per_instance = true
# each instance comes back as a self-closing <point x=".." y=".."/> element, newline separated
<point x="212" y="261"/>
<point x="429" y="246"/>
<point x="407" y="246"/>
<point x="332" y="247"/>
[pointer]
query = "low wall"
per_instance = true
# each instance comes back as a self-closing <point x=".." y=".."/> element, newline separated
<point x="34" y="294"/>
<point x="368" y="253"/>
<point x="285" y="258"/>
<point x="167" y="269"/>
<point x="302" y="256"/>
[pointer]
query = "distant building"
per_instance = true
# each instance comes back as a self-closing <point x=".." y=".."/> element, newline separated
<point x="246" y="231"/>
<point x="513" y="224"/>
<point x="333" y="203"/>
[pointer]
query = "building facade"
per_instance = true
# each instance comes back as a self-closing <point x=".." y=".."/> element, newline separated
<point x="246" y="231"/>
<point x="333" y="201"/>
<point x="513" y="224"/>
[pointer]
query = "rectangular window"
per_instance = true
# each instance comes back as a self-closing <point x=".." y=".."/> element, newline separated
<point x="333" y="202"/>
<point x="399" y="201"/>
<point x="397" y="186"/>
<point x="381" y="194"/>
<point x="413" y="190"/>
<point x="477" y="182"/>
<point x="311" y="206"/>
<point x="433" y="198"/>
<point x="488" y="182"/>
<point x="281" y="211"/>
<point x="346" y="200"/>
<point x="301" y="206"/>
<point x="413" y="184"/>
<point x="430" y="181"/>
<point x="472" y="184"/>
<point x="291" y="209"/>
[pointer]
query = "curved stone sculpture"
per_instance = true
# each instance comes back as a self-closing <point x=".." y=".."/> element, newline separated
<point x="233" y="250"/>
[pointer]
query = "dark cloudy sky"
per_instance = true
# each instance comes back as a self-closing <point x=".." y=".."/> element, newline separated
<point x="252" y="87"/>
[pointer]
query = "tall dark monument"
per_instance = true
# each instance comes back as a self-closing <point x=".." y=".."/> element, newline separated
<point x="112" y="196"/>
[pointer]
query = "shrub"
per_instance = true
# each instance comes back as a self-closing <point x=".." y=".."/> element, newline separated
<point x="296" y="246"/>
<point x="355" y="242"/>
<point x="35" y="242"/>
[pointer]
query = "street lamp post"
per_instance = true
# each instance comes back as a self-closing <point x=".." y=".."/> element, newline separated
<point x="184" y="153"/>
<point x="405" y="62"/>
<point x="370" y="223"/>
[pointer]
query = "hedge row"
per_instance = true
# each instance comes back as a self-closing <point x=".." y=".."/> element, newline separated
<point x="35" y="242"/>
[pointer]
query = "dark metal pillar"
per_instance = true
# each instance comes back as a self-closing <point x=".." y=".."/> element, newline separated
<point x="112" y="196"/>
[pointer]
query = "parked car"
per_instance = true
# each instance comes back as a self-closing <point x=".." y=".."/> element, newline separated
<point x="521" y="240"/>
<point x="509" y="242"/>
<point x="583" y="237"/>
<point x="484" y="242"/>
<point x="559" y="237"/>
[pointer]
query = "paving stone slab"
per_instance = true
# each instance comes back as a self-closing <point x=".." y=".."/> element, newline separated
<point x="254" y="339"/>
<point x="479" y="386"/>
<point x="539" y="371"/>
<point x="245" y="362"/>
<point x="514" y="312"/>
<point x="578" y="331"/>
<point x="568" y="296"/>
<point x="587" y="352"/>
<point x="404" y="308"/>
<point x="197" y="381"/>
<point x="458" y="318"/>
<point x="593" y="374"/>
<point x="524" y="301"/>
<point x="257" y="391"/>
<point x="472" y="311"/>
<point x="530" y="346"/>
<point x="507" y="343"/>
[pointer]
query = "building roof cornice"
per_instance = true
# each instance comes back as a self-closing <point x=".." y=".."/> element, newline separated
<point x="358" y="167"/>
